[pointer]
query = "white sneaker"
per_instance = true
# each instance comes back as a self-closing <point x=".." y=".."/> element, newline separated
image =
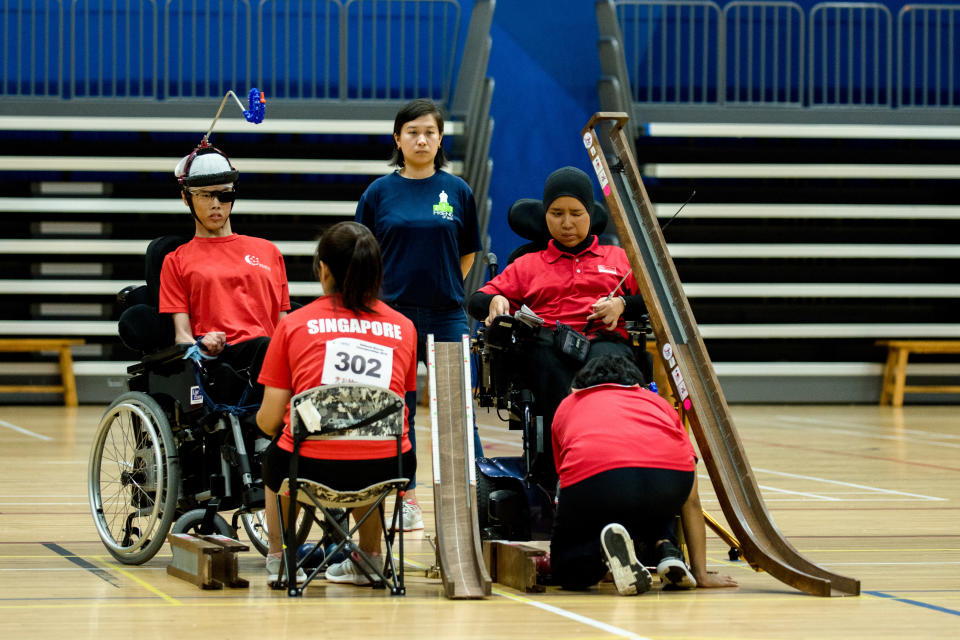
<point x="346" y="572"/>
<point x="629" y="575"/>
<point x="273" y="570"/>
<point x="673" y="571"/>
<point x="412" y="517"/>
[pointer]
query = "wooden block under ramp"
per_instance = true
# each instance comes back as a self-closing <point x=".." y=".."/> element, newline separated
<point x="513" y="564"/>
<point x="210" y="562"/>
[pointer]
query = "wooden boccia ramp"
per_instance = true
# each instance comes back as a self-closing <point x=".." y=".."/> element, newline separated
<point x="459" y="553"/>
<point x="692" y="378"/>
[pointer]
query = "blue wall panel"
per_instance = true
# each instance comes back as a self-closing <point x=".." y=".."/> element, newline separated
<point x="545" y="64"/>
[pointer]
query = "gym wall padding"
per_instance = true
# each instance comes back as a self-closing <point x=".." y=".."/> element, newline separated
<point x="545" y="64"/>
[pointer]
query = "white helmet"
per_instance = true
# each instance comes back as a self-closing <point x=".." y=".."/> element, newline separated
<point x="204" y="167"/>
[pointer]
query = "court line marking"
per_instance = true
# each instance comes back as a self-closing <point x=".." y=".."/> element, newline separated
<point x="885" y="564"/>
<point x="847" y="454"/>
<point x="855" y="430"/>
<point x="849" y="484"/>
<point x="561" y="612"/>
<point x="20" y="495"/>
<point x="870" y="426"/>
<point x="146" y="585"/>
<point x="41" y="504"/>
<point x="27" y="432"/>
<point x="803" y="494"/>
<point x="80" y="562"/>
<point x="603" y="626"/>
<point x="104" y="574"/>
<point x="786" y="500"/>
<point x="826" y="496"/>
<point x="915" y="603"/>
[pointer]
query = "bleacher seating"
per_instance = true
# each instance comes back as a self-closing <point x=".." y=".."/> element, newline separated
<point x="85" y="185"/>
<point x="798" y="255"/>
<point x="814" y="232"/>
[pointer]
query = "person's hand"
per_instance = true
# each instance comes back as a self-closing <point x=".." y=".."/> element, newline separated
<point x="214" y="342"/>
<point x="713" y="580"/>
<point x="608" y="311"/>
<point x="498" y="307"/>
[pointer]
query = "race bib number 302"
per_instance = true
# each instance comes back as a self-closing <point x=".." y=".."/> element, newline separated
<point x="352" y="360"/>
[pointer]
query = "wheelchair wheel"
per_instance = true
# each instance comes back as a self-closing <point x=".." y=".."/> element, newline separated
<point x="255" y="524"/>
<point x="484" y="489"/>
<point x="192" y="522"/>
<point x="134" y="478"/>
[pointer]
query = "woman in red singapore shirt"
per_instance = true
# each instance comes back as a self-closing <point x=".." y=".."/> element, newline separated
<point x="303" y="354"/>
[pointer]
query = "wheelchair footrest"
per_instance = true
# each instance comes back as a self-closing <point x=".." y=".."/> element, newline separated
<point x="210" y="562"/>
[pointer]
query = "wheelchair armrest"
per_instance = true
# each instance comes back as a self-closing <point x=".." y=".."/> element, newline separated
<point x="131" y="295"/>
<point x="159" y="359"/>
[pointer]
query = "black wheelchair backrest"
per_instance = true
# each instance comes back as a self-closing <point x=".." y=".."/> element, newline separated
<point x="157" y="250"/>
<point x="527" y="218"/>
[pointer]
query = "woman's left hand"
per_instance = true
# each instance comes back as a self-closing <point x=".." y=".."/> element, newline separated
<point x="714" y="580"/>
<point x="608" y="311"/>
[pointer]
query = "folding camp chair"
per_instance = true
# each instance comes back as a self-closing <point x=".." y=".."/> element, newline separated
<point x="354" y="411"/>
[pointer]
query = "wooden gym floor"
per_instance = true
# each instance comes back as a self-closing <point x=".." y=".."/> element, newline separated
<point x="870" y="492"/>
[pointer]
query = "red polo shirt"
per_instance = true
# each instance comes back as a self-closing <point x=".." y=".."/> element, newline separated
<point x="611" y="426"/>
<point x="560" y="286"/>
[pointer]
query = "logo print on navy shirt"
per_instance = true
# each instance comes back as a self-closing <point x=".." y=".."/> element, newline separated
<point x="443" y="208"/>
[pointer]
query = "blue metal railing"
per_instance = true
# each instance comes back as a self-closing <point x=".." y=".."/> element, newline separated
<point x="32" y="61"/>
<point x="672" y="50"/>
<point x="764" y="45"/>
<point x="928" y="43"/>
<point x="851" y="55"/>
<point x="772" y="53"/>
<point x="297" y="49"/>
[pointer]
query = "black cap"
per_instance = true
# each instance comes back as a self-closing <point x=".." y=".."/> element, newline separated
<point x="568" y="181"/>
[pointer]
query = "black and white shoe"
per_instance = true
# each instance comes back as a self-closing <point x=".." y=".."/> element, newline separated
<point x="630" y="577"/>
<point x="673" y="571"/>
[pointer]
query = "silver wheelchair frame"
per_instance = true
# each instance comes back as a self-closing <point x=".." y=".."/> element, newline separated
<point x="163" y="458"/>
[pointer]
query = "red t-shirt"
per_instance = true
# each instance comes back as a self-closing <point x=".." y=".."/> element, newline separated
<point x="298" y="357"/>
<point x="611" y="426"/>
<point x="235" y="284"/>
<point x="560" y="286"/>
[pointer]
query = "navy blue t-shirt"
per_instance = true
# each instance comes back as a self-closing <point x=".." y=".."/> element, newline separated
<point x="423" y="227"/>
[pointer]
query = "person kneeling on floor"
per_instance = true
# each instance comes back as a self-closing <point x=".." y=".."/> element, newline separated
<point x="626" y="468"/>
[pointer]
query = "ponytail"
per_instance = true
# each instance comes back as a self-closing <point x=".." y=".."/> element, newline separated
<point x="352" y="255"/>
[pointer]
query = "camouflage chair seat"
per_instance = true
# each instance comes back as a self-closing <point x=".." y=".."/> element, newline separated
<point x="356" y="412"/>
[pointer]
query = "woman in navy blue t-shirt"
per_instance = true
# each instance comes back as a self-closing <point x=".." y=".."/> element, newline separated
<point x="425" y="220"/>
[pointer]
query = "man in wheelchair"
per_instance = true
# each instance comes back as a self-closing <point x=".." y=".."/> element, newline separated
<point x="222" y="291"/>
<point x="225" y="291"/>
<point x="581" y="293"/>
<point x="217" y="300"/>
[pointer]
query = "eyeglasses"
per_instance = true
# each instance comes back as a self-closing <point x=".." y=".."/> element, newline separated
<point x="225" y="197"/>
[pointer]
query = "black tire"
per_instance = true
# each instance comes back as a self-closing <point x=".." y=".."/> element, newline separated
<point x="133" y="478"/>
<point x="255" y="524"/>
<point x="485" y="486"/>
<point x="192" y="522"/>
